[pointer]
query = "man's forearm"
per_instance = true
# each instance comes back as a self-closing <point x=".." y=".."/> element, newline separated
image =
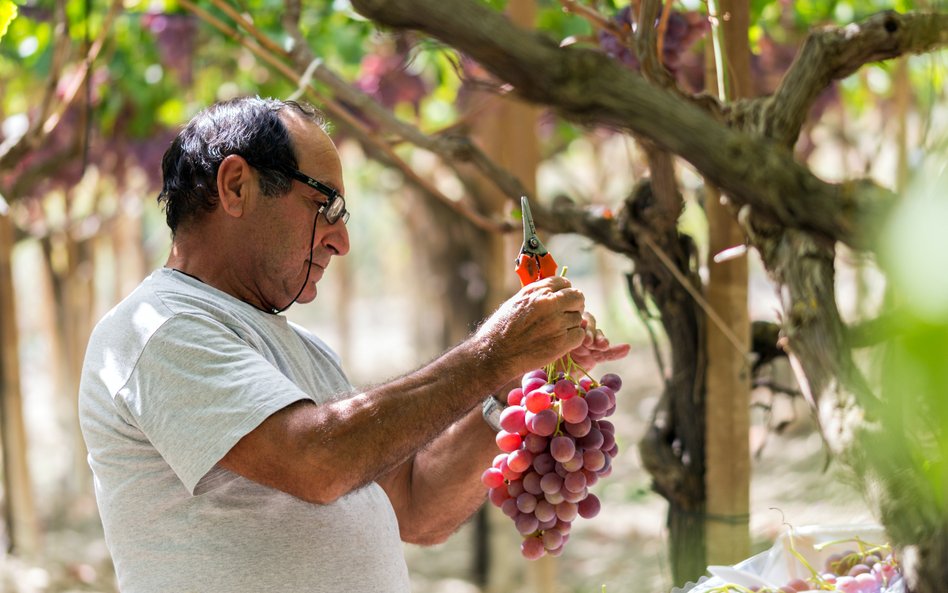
<point x="440" y="487"/>
<point x="321" y="452"/>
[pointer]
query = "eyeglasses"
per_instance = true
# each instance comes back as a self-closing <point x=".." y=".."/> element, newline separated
<point x="334" y="207"/>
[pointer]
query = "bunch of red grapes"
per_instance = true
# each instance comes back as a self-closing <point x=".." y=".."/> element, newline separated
<point x="555" y="445"/>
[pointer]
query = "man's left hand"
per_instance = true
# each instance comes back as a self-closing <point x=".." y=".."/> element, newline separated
<point x="595" y="347"/>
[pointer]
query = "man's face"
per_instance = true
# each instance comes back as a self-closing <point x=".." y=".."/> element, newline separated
<point x="284" y="225"/>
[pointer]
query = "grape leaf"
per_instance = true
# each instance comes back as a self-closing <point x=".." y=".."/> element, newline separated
<point x="7" y="14"/>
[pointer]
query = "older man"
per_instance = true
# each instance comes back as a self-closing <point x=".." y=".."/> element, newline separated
<point x="230" y="452"/>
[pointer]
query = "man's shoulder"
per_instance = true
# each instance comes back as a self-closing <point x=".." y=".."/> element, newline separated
<point x="141" y="309"/>
<point x="167" y="294"/>
<point x="158" y="299"/>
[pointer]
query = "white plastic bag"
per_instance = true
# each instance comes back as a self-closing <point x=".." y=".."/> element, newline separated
<point x="778" y="565"/>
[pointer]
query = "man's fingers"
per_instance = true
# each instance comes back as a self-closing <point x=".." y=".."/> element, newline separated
<point x="615" y="353"/>
<point x="574" y="320"/>
<point x="574" y="337"/>
<point x="553" y="284"/>
<point x="573" y="300"/>
<point x="600" y="341"/>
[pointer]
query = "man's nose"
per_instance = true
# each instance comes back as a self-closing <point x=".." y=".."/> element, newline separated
<point x="336" y="237"/>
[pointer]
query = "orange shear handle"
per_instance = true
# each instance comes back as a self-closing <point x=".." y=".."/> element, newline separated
<point x="532" y="267"/>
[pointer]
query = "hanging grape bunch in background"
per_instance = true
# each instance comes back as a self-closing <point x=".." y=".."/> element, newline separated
<point x="555" y="445"/>
<point x="680" y="29"/>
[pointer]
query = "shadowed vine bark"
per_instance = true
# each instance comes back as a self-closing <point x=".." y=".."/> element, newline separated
<point x="673" y="447"/>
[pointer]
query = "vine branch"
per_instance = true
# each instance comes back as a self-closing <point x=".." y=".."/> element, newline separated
<point x="833" y="53"/>
<point x="588" y="87"/>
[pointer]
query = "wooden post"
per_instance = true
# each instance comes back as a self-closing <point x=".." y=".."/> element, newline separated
<point x="19" y="509"/>
<point x="727" y="412"/>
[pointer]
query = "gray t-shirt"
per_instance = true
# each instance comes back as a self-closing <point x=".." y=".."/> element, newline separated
<point x="173" y="377"/>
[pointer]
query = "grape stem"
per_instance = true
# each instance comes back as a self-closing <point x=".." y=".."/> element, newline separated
<point x="817" y="576"/>
<point x="864" y="546"/>
<point x="559" y="419"/>
<point x="568" y="366"/>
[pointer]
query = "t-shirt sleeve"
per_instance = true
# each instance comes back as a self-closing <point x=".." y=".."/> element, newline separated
<point x="197" y="389"/>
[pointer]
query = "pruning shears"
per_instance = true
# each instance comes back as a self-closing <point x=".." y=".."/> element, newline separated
<point x="534" y="261"/>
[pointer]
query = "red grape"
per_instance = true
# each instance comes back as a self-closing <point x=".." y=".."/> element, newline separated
<point x="597" y="401"/>
<point x="508" y="441"/>
<point x="526" y="523"/>
<point x="552" y="539"/>
<point x="542" y="423"/>
<point x="543" y="463"/>
<point x="532" y="548"/>
<point x="509" y="508"/>
<point x="612" y="381"/>
<point x="532" y="383"/>
<point x="564" y="389"/>
<point x="498" y="495"/>
<point x="526" y="502"/>
<point x="562" y="448"/>
<point x="589" y="507"/>
<point x="544" y="511"/>
<point x="492" y="478"/>
<point x="520" y="460"/>
<point x="515" y="488"/>
<point x="535" y="443"/>
<point x="575" y="482"/>
<point x="594" y="460"/>
<point x="531" y="483"/>
<point x="551" y="483"/>
<point x="574" y="410"/>
<point x="515" y="396"/>
<point x="513" y="419"/>
<point x="579" y="429"/>
<point x="537" y="400"/>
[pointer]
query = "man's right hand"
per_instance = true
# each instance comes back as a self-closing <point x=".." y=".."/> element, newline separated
<point x="541" y="323"/>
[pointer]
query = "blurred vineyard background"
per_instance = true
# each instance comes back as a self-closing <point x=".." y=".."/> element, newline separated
<point x="93" y="92"/>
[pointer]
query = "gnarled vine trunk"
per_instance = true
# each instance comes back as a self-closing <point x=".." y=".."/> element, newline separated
<point x="673" y="448"/>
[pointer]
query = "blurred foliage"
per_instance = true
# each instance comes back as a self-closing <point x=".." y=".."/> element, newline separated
<point x="904" y="446"/>
<point x="8" y="12"/>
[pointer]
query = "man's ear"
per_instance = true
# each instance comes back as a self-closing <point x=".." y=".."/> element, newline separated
<point x="233" y="182"/>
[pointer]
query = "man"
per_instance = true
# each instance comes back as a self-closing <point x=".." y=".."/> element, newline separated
<point x="230" y="452"/>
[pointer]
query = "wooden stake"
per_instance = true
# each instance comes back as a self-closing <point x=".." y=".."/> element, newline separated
<point x="727" y="412"/>
<point x="19" y="510"/>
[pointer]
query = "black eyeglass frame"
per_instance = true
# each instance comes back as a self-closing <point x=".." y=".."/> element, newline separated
<point x="327" y="208"/>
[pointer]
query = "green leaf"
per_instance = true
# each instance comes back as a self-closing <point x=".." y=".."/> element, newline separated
<point x="8" y="12"/>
